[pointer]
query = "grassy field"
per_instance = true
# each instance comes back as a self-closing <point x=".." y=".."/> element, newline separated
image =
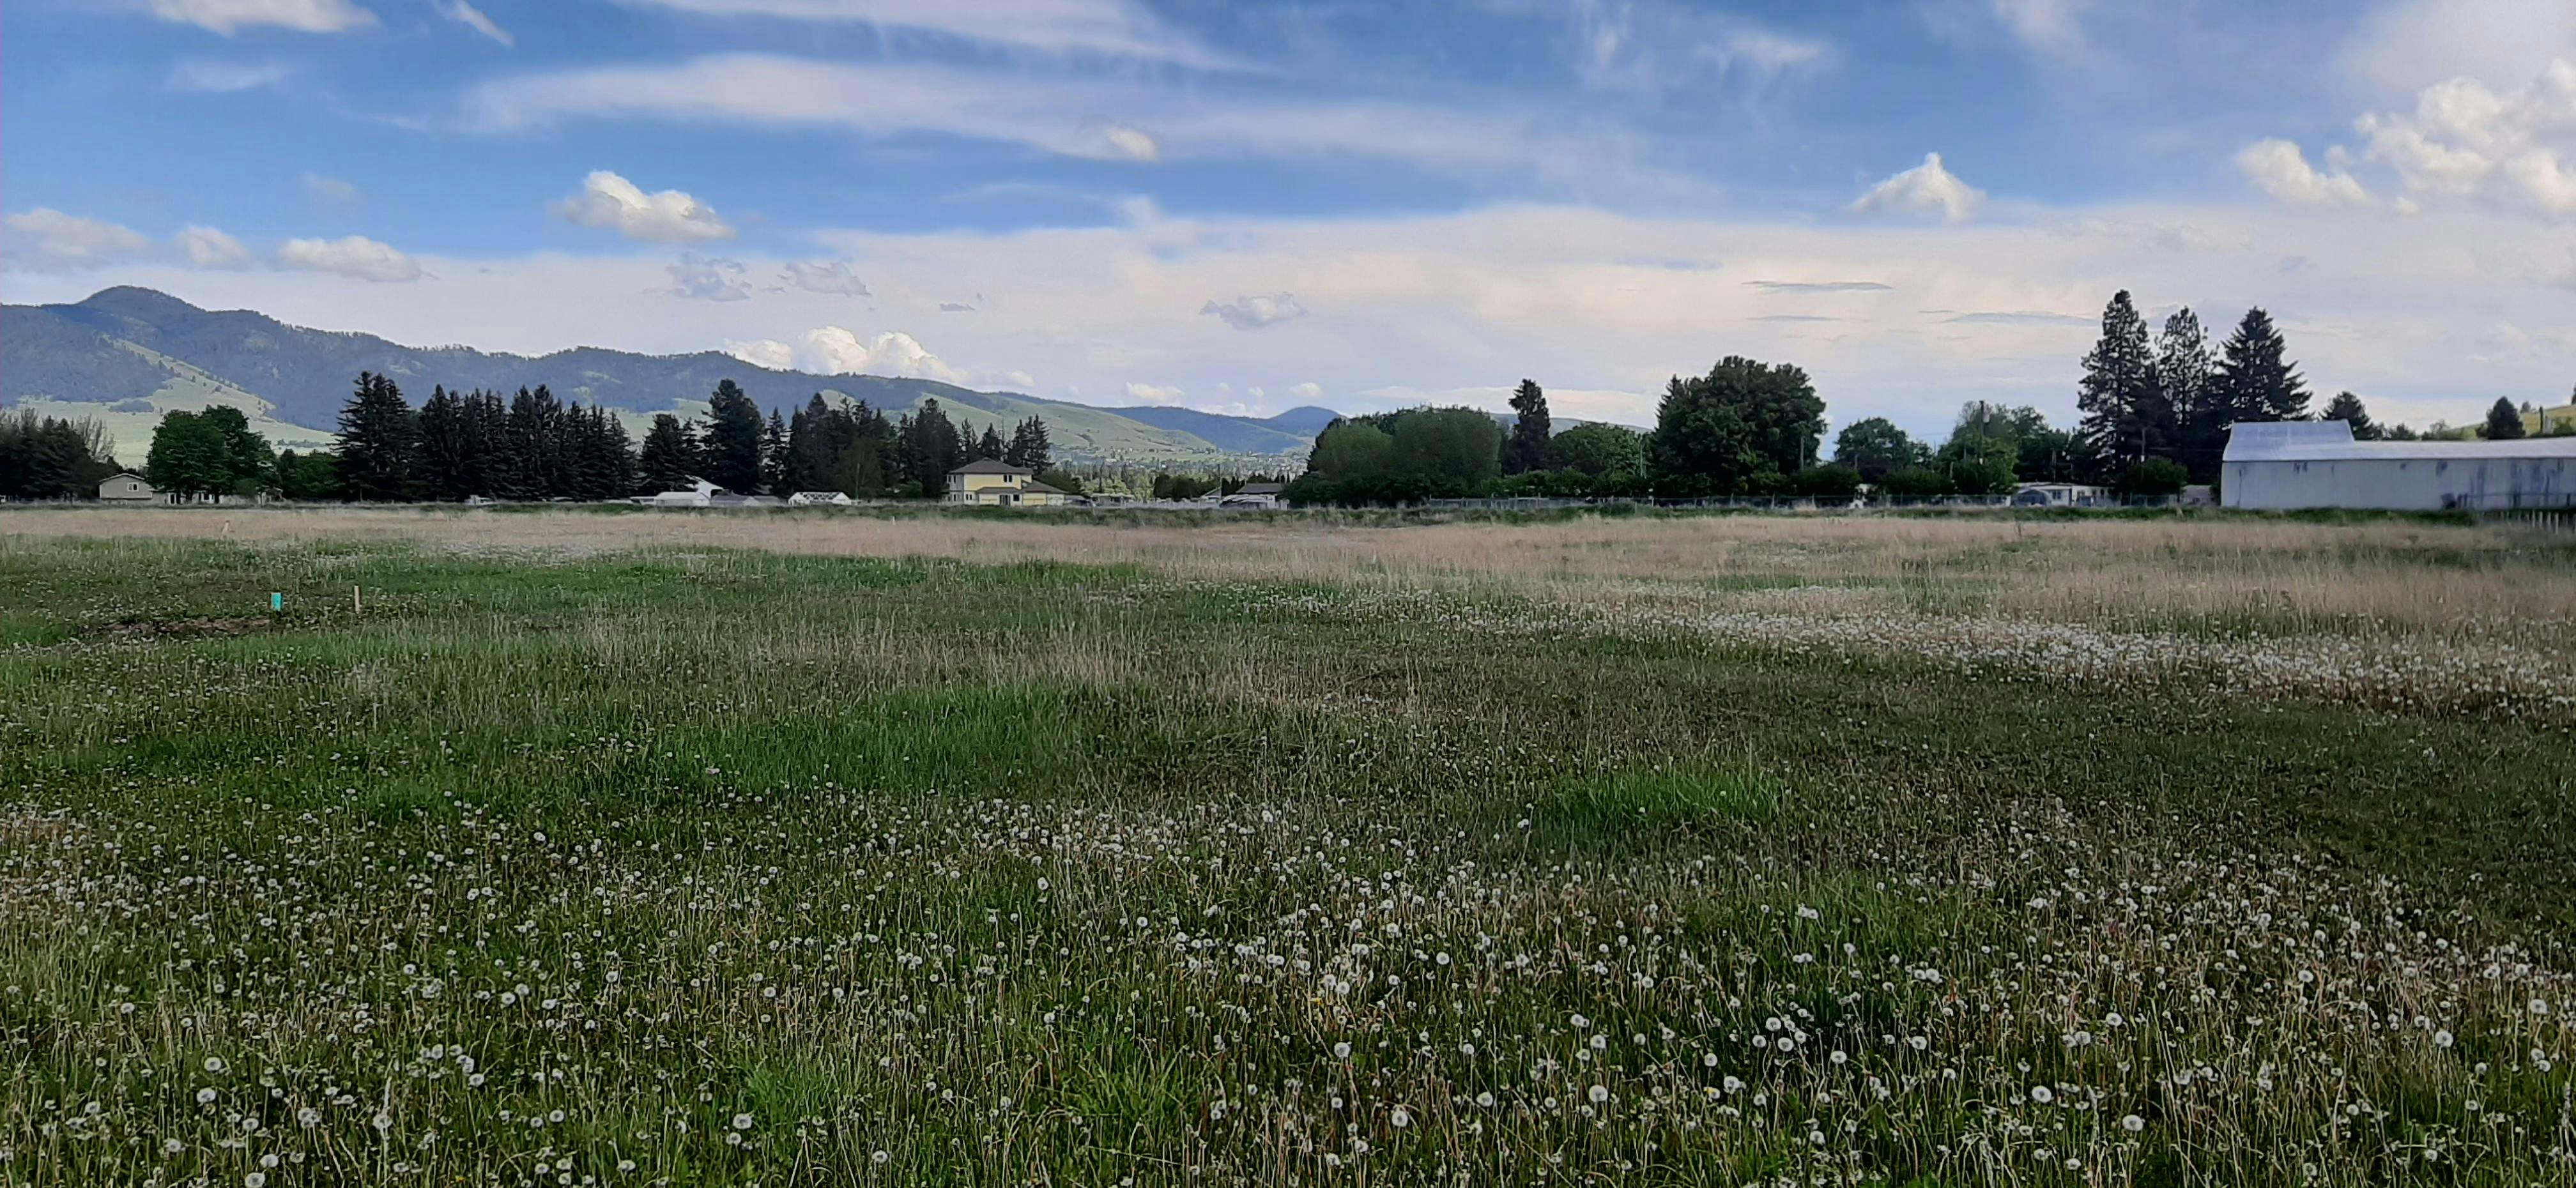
<point x="935" y="849"/>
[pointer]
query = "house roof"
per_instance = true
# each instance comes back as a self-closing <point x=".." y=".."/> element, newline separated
<point x="124" y="474"/>
<point x="991" y="466"/>
<point x="2331" y="441"/>
<point x="1034" y="486"/>
<point x="1262" y="488"/>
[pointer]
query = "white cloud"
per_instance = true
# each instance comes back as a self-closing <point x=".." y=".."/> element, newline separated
<point x="707" y="278"/>
<point x="826" y="276"/>
<point x="1109" y="118"/>
<point x="2049" y="26"/>
<point x="1927" y="189"/>
<point x="1253" y="313"/>
<point x="473" y="18"/>
<point x="227" y="16"/>
<point x="1308" y="391"/>
<point x="2408" y="45"/>
<point x="206" y="247"/>
<point x="764" y="352"/>
<point x="329" y="189"/>
<point x="837" y="350"/>
<point x="607" y="200"/>
<point x="208" y="76"/>
<point x="353" y="256"/>
<point x="1656" y="45"/>
<point x="1019" y="379"/>
<point x="2463" y="140"/>
<point x="47" y="240"/>
<point x="2279" y="169"/>
<point x="1154" y="393"/>
<point x="1120" y="28"/>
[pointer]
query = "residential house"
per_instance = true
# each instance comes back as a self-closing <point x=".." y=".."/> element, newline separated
<point x="125" y="486"/>
<point x="985" y="482"/>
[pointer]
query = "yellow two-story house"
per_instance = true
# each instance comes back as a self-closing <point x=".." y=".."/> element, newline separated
<point x="988" y="483"/>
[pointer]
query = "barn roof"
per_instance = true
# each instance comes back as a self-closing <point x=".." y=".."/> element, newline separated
<point x="2331" y="441"/>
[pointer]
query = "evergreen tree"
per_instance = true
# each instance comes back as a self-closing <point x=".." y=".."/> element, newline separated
<point x="774" y="470"/>
<point x="934" y="450"/>
<point x="2347" y="408"/>
<point x="1029" y="446"/>
<point x="732" y="440"/>
<point x="669" y="460"/>
<point x="2256" y="380"/>
<point x="2504" y="421"/>
<point x="446" y="447"/>
<point x="990" y="444"/>
<point x="1530" y="445"/>
<point x="379" y="442"/>
<point x="2124" y="418"/>
<point x="53" y="457"/>
<point x="487" y="425"/>
<point x="2183" y="373"/>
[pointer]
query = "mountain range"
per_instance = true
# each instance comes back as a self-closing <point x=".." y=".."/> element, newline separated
<point x="127" y="355"/>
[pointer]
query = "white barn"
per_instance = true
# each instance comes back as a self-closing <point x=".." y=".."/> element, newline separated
<point x="2286" y="465"/>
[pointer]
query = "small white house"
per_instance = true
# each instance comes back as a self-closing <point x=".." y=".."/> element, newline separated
<point x="125" y="486"/>
<point x="818" y="499"/>
<point x="2061" y="495"/>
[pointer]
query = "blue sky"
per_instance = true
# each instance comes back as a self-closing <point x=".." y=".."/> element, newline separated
<point x="1244" y="206"/>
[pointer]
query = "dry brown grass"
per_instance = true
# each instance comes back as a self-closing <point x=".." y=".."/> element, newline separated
<point x="2202" y="572"/>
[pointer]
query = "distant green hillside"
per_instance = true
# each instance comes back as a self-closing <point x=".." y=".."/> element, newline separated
<point x="126" y="344"/>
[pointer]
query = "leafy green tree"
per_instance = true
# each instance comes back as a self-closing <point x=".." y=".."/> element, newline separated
<point x="246" y="454"/>
<point x="189" y="457"/>
<point x="1532" y="440"/>
<point x="2049" y="455"/>
<point x="1916" y="482"/>
<point x="1874" y="446"/>
<point x="1063" y="480"/>
<point x="308" y="477"/>
<point x="1349" y="451"/>
<point x="1980" y="465"/>
<point x="732" y="442"/>
<point x="670" y="456"/>
<point x="379" y="442"/>
<point x="1745" y="420"/>
<point x="2347" y="408"/>
<point x="1457" y="448"/>
<point x="1832" y="481"/>
<point x="1599" y="449"/>
<point x="2124" y="414"/>
<point x="2504" y="421"/>
<point x="2154" y="477"/>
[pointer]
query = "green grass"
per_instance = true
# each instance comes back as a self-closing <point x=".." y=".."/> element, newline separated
<point x="875" y="846"/>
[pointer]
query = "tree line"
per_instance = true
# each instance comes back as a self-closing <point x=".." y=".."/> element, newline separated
<point x="533" y="445"/>
<point x="53" y="457"/>
<point x="1745" y="428"/>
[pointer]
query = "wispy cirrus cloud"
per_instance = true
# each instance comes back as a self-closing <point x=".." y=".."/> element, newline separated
<point x="1107" y="118"/>
<point x="1116" y="28"/>
<point x="231" y="16"/>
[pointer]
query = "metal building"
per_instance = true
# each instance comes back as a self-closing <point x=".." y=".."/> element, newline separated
<point x="2284" y="465"/>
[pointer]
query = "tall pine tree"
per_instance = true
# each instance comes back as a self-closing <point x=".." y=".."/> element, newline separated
<point x="2256" y="379"/>
<point x="2347" y="408"/>
<point x="1029" y="446"/>
<point x="1528" y="447"/>
<point x="990" y="445"/>
<point x="2183" y="372"/>
<point x="379" y="442"/>
<point x="2121" y="405"/>
<point x="669" y="460"/>
<point x="446" y="447"/>
<point x="732" y="441"/>
<point x="774" y="470"/>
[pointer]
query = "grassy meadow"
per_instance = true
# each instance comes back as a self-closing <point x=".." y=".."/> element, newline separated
<point x="835" y="848"/>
